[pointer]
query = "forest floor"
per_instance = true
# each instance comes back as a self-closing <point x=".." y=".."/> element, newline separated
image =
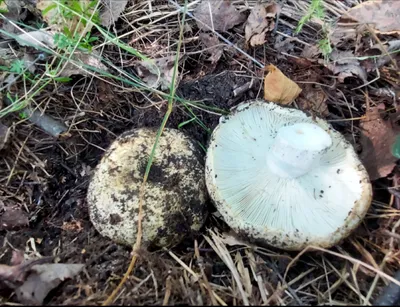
<point x="90" y="86"/>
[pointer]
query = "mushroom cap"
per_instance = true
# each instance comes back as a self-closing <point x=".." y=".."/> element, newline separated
<point x="318" y="208"/>
<point x="175" y="194"/>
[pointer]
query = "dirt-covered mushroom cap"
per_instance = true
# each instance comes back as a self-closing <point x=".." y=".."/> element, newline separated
<point x="282" y="178"/>
<point x="175" y="195"/>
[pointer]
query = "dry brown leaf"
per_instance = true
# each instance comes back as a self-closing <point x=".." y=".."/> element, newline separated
<point x="157" y="73"/>
<point x="343" y="57"/>
<point x="344" y="64"/>
<point x="260" y="21"/>
<point x="12" y="217"/>
<point x="219" y="15"/>
<point x="383" y="15"/>
<point x="35" y="38"/>
<point x="313" y="99"/>
<point x="13" y="276"/>
<point x="42" y="279"/>
<point x="385" y="49"/>
<point x="210" y="41"/>
<point x="92" y="59"/>
<point x="111" y="11"/>
<point x="377" y="138"/>
<point x="53" y="15"/>
<point x="279" y="88"/>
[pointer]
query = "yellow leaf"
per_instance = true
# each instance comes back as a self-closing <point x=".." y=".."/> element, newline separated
<point x="279" y="88"/>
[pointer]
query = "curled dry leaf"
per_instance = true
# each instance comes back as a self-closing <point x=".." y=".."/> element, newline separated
<point x="157" y="73"/>
<point x="260" y="21"/>
<point x="210" y="41"/>
<point x="377" y="139"/>
<point x="111" y="11"/>
<point x="219" y="15"/>
<point x="42" y="279"/>
<point x="382" y="15"/>
<point x="313" y="99"/>
<point x="279" y="88"/>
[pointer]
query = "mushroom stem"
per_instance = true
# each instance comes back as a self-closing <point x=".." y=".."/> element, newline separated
<point x="297" y="148"/>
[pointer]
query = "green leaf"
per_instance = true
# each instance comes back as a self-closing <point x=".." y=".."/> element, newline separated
<point x="62" y="79"/>
<point x="186" y="122"/>
<point x="17" y="66"/>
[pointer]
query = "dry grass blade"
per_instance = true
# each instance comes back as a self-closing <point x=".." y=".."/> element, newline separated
<point x="220" y="248"/>
<point x="352" y="260"/>
<point x="205" y="279"/>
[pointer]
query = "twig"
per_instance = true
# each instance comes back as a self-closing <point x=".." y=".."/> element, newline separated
<point x="111" y="298"/>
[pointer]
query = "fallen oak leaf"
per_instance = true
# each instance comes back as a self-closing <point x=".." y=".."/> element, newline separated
<point x="42" y="279"/>
<point x="384" y="16"/>
<point x="219" y="15"/>
<point x="279" y="88"/>
<point x="260" y="21"/>
<point x="111" y="11"/>
<point x="377" y="139"/>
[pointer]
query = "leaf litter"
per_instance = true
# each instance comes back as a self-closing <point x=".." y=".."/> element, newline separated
<point x="377" y="138"/>
<point x="158" y="72"/>
<point x="219" y="15"/>
<point x="12" y="217"/>
<point x="111" y="11"/>
<point x="313" y="99"/>
<point x="279" y="88"/>
<point x="382" y="15"/>
<point x="260" y="21"/>
<point x="42" y="279"/>
<point x="211" y="42"/>
<point x="33" y="279"/>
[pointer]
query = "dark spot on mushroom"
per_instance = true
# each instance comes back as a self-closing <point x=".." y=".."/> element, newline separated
<point x="338" y="171"/>
<point x="215" y="176"/>
<point x="322" y="191"/>
<point x="115" y="219"/>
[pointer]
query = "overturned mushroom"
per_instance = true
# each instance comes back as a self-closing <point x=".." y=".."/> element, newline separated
<point x="280" y="177"/>
<point x="175" y="195"/>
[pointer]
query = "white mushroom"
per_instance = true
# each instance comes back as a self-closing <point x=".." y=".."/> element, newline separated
<point x="175" y="196"/>
<point x="283" y="178"/>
